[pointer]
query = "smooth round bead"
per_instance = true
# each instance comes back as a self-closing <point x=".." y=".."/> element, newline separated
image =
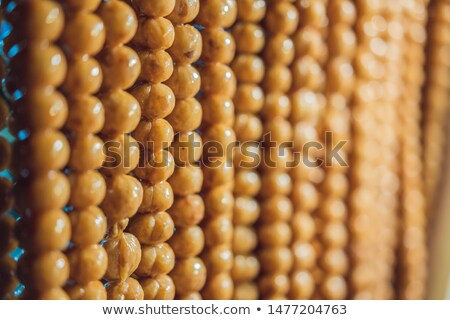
<point x="246" y="267"/>
<point x="87" y="263"/>
<point x="221" y="137"/>
<point x="217" y="174"/>
<point x="53" y="294"/>
<point x="276" y="208"/>
<point x="86" y="189"/>
<point x="218" y="287"/>
<point x="186" y="180"/>
<point x="88" y="226"/>
<point x="219" y="201"/>
<point x="187" y="242"/>
<point x="48" y="149"/>
<point x="157" y="66"/>
<point x="217" y="109"/>
<point x="44" y="232"/>
<point x="86" y="153"/>
<point x="121" y="155"/>
<point x="86" y="114"/>
<point x="123" y="197"/>
<point x="248" y="98"/>
<point x="155" y="34"/>
<point x="218" y="259"/>
<point x="124" y="255"/>
<point x="247" y="183"/>
<point x="120" y="22"/>
<point x="281" y="17"/>
<point x="155" y="135"/>
<point x="251" y="10"/>
<point x="189" y="275"/>
<point x="313" y="13"/>
<point x="46" y="271"/>
<point x="303" y="227"/>
<point x="156" y="260"/>
<point x="342" y="11"/>
<point x="279" y="50"/>
<point x="156" y="100"/>
<point x="120" y="66"/>
<point x="44" y="20"/>
<point x="45" y="66"/>
<point x="218" y="230"/>
<point x="308" y="42"/>
<point x="218" y="46"/>
<point x="152" y="228"/>
<point x="186" y="116"/>
<point x="335" y="261"/>
<point x="342" y="41"/>
<point x="304" y="256"/>
<point x="157" y="167"/>
<point x="184" y="11"/>
<point x="128" y="289"/>
<point x="279" y="129"/>
<point x="94" y="290"/>
<point x="39" y="109"/>
<point x="335" y="235"/>
<point x="159" y="288"/>
<point x="277" y="259"/>
<point x="276" y="105"/>
<point x="276" y="283"/>
<point x="187" y="211"/>
<point x="187" y="45"/>
<point x="184" y="82"/>
<point x="84" y="76"/>
<point x="245" y="291"/>
<point x="84" y="33"/>
<point x="187" y="148"/>
<point x="158" y="197"/>
<point x="122" y="112"/>
<point x="245" y="240"/>
<point x="56" y="196"/>
<point x="334" y="287"/>
<point x="306" y="72"/>
<point x="248" y="68"/>
<point x="218" y="79"/>
<point x="305" y="196"/>
<point x="245" y="211"/>
<point x="275" y="234"/>
<point x="277" y="78"/>
<point x="249" y="37"/>
<point x="302" y="285"/>
<point x="276" y="182"/>
<point x="220" y="13"/>
<point x="248" y="127"/>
